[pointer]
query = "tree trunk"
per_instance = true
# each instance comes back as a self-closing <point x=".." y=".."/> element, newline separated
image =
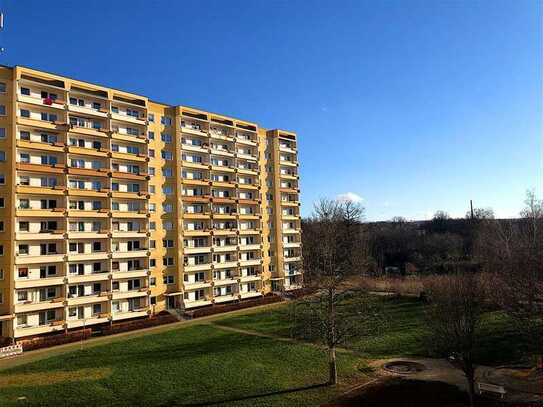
<point x="469" y="371"/>
<point x="332" y="366"/>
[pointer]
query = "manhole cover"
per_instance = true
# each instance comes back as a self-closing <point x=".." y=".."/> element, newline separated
<point x="404" y="367"/>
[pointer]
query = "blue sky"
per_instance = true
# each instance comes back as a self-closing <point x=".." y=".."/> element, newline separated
<point x="414" y="106"/>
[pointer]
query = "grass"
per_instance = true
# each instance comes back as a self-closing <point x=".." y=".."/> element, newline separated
<point x="404" y="333"/>
<point x="207" y="364"/>
<point x="199" y="365"/>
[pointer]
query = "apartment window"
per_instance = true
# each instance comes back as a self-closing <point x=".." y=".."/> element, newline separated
<point x="96" y="246"/>
<point x="167" y="261"/>
<point x="151" y="135"/>
<point x="152" y="263"/>
<point x="152" y="281"/>
<point x="151" y="153"/>
<point x="153" y="300"/>
<point x="24" y="113"/>
<point x="25" y="91"/>
<point x="167" y="225"/>
<point x="2" y="132"/>
<point x="2" y="157"/>
<point x="166" y="138"/>
<point x="1" y="274"/>
<point x="168" y="280"/>
<point x="3" y="180"/>
<point x="168" y="243"/>
<point x="152" y="225"/>
<point x="167" y="155"/>
<point x="166" y="121"/>
<point x="152" y="189"/>
<point x="2" y="110"/>
<point x="167" y="172"/>
<point x="151" y="117"/>
<point x="167" y="190"/>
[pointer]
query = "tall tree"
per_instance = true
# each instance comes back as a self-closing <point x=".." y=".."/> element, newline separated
<point x="332" y="241"/>
<point x="454" y="314"/>
<point x="512" y="251"/>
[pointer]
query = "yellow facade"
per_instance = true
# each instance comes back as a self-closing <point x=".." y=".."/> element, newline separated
<point x="116" y="207"/>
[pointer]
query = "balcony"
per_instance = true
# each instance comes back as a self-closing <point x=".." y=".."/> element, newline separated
<point x="224" y="249"/>
<point x="249" y="278"/>
<point x="85" y="110"/>
<point x="57" y="104"/>
<point x="225" y="265"/>
<point x="122" y="295"/>
<point x="250" y="262"/>
<point x="193" y="128"/>
<point x="130" y="254"/>
<point x="28" y="189"/>
<point x="38" y="282"/>
<point x="140" y="312"/>
<point x="45" y="258"/>
<point x="97" y="213"/>
<point x="38" y="329"/>
<point x="121" y="116"/>
<point x="197" y="303"/>
<point x="102" y="152"/>
<point x="250" y="294"/>
<point x="88" y="278"/>
<point x="98" y="234"/>
<point x="88" y="299"/>
<point x="58" y="126"/>
<point x="129" y="156"/>
<point x="87" y="256"/>
<point x="40" y="213"/>
<point x="46" y="168"/>
<point x="140" y="138"/>
<point x="88" y="130"/>
<point x="226" y="298"/>
<point x="292" y="244"/>
<point x="292" y="259"/>
<point x="189" y="268"/>
<point x="49" y="235"/>
<point x="140" y="233"/>
<point x="196" y="250"/>
<point x="29" y="306"/>
<point x="95" y="319"/>
<point x="140" y="214"/>
<point x="196" y="285"/>
<point x="130" y="274"/>
<point x="225" y="281"/>
<point x="37" y="145"/>
<point x="93" y="193"/>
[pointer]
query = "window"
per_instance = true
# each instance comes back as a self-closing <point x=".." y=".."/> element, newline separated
<point x="23" y="272"/>
<point x="3" y="180"/>
<point x="168" y="172"/>
<point x="166" y="121"/>
<point x="168" y="243"/>
<point x="24" y="112"/>
<point x="167" y="207"/>
<point x="2" y="110"/>
<point x="168" y="280"/>
<point x="166" y="138"/>
<point x="152" y="225"/>
<point x="151" y="171"/>
<point x="167" y="261"/>
<point x="2" y="132"/>
<point x="152" y="189"/>
<point x="152" y="263"/>
<point x="151" y="135"/>
<point x="167" y="190"/>
<point x="167" y="155"/>
<point x="2" y="203"/>
<point x="25" y="91"/>
<point x="2" y="157"/>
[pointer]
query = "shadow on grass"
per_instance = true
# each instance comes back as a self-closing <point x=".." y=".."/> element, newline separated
<point x="250" y="397"/>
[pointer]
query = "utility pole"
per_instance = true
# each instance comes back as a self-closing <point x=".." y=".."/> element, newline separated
<point x="471" y="208"/>
<point x="1" y="28"/>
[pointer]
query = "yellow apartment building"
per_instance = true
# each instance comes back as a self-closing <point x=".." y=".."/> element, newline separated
<point x="113" y="206"/>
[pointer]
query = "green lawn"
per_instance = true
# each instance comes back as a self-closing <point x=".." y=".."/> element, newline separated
<point x="195" y="365"/>
<point x="205" y="364"/>
<point x="403" y="333"/>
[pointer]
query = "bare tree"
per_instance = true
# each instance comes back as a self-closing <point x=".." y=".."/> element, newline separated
<point x="480" y="214"/>
<point x="454" y="314"/>
<point x="332" y="239"/>
<point x="512" y="251"/>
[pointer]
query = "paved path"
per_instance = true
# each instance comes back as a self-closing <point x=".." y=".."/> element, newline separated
<point x="44" y="353"/>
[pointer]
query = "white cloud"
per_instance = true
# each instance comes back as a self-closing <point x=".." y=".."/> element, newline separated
<point x="350" y="196"/>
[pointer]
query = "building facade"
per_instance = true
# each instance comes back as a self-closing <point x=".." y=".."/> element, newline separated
<point x="113" y="206"/>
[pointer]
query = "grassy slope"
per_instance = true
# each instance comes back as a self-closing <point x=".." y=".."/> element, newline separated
<point x="200" y="364"/>
<point x="403" y="335"/>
